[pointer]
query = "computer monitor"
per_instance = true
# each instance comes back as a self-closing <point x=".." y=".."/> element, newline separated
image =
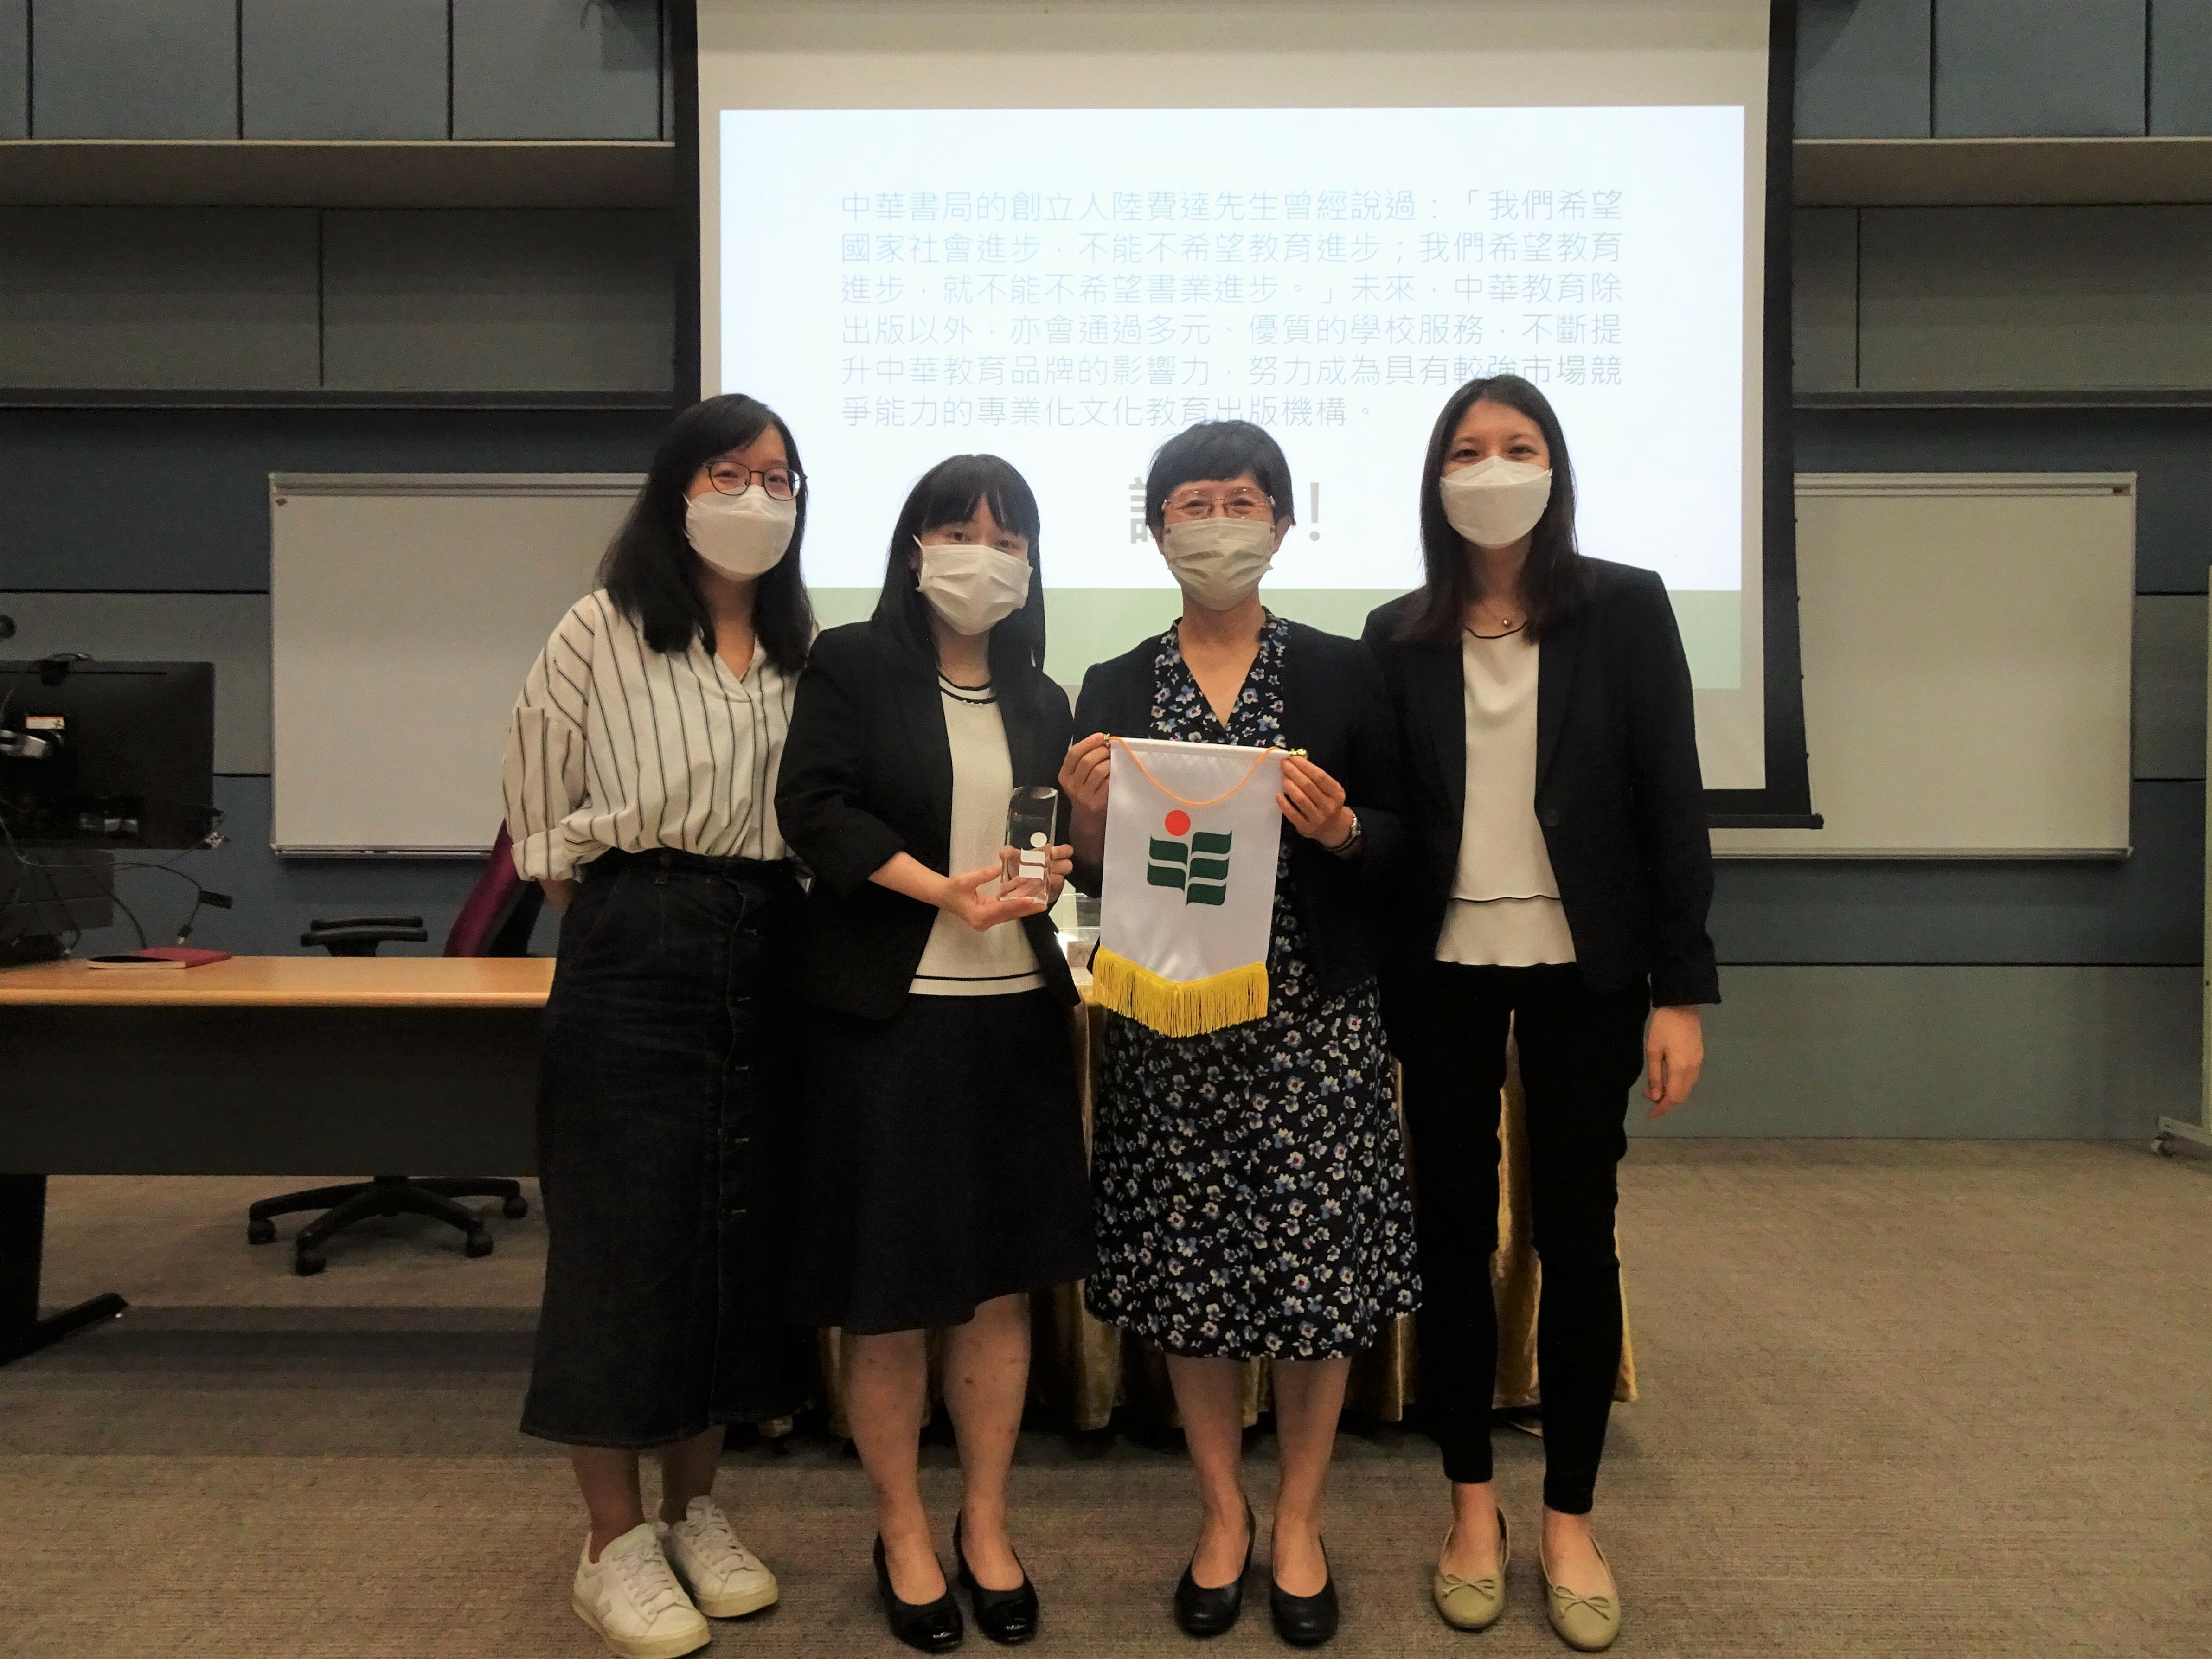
<point x="113" y="755"/>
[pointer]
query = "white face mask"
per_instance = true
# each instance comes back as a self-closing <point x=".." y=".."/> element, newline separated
<point x="1219" y="562"/>
<point x="971" y="586"/>
<point x="1495" y="502"/>
<point x="741" y="536"/>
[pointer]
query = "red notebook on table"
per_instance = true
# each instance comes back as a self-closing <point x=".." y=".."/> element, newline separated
<point x="160" y="956"/>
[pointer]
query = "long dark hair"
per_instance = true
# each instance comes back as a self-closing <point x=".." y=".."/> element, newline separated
<point x="949" y="493"/>
<point x="650" y="571"/>
<point x="1555" y="581"/>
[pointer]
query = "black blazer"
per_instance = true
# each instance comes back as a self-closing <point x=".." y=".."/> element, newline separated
<point x="1332" y="708"/>
<point x="867" y="773"/>
<point x="1618" y="791"/>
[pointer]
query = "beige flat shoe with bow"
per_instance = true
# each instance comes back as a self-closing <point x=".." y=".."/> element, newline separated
<point x="1586" y="1623"/>
<point x="1473" y="1603"/>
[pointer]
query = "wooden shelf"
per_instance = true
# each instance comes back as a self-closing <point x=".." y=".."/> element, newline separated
<point x="335" y="173"/>
<point x="320" y="398"/>
<point x="554" y="173"/>
<point x="2056" y="398"/>
<point x="1992" y="172"/>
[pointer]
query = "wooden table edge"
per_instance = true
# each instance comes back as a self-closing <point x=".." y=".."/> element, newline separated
<point x="343" y="984"/>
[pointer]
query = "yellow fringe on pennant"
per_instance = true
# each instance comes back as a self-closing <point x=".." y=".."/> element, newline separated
<point x="1178" y="1007"/>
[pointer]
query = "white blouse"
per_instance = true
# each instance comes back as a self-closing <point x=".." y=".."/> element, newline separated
<point x="615" y="745"/>
<point x="1505" y="909"/>
<point x="958" y="961"/>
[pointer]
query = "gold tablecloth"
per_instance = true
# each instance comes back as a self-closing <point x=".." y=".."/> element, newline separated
<point x="1081" y="1369"/>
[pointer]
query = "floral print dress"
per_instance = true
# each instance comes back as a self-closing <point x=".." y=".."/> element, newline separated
<point x="1251" y="1182"/>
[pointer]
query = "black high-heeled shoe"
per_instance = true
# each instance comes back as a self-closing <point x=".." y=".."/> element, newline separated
<point x="1005" y="1616"/>
<point x="1203" y="1610"/>
<point x="929" y="1626"/>
<point x="1305" y="1621"/>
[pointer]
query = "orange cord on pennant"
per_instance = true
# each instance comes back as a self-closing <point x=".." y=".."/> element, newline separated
<point x="1273" y="749"/>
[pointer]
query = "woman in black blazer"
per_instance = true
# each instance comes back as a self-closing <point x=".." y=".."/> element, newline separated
<point x="944" y="1178"/>
<point x="1557" y="882"/>
<point x="1251" y="1181"/>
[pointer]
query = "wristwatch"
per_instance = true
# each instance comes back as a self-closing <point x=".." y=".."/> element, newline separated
<point x="1350" y="841"/>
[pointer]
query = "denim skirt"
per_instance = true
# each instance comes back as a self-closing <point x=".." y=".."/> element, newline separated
<point x="666" y="1110"/>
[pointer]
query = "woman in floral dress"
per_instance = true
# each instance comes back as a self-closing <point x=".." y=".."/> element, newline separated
<point x="1250" y="1182"/>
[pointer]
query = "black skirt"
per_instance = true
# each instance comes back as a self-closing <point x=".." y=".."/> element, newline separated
<point x="667" y="1107"/>
<point x="943" y="1164"/>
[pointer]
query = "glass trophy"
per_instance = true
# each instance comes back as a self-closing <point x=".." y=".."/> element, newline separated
<point x="1031" y="814"/>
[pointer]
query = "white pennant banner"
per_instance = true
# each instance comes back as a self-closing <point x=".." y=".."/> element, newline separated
<point x="1188" y="884"/>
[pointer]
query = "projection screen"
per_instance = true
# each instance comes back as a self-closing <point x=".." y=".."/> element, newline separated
<point x="1063" y="234"/>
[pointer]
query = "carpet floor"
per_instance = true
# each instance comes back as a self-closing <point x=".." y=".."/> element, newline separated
<point x="1908" y="1398"/>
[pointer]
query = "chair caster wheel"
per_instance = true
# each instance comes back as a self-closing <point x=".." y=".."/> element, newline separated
<point x="259" y="1230"/>
<point x="479" y="1242"/>
<point x="306" y="1263"/>
<point x="516" y="1208"/>
<point x="2162" y="1144"/>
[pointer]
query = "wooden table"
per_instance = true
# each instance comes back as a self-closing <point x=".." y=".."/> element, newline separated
<point x="312" y="1064"/>
<point x="257" y="1065"/>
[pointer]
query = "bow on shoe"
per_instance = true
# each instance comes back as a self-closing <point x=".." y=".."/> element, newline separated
<point x="1566" y="1600"/>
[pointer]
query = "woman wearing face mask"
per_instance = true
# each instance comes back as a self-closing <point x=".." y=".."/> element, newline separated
<point x="944" y="1178"/>
<point x="1250" y="1183"/>
<point x="638" y="773"/>
<point x="1559" y="882"/>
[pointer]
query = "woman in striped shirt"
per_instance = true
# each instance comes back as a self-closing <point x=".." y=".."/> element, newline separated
<point x="640" y="781"/>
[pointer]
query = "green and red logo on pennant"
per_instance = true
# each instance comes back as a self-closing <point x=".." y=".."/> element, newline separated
<point x="1197" y="862"/>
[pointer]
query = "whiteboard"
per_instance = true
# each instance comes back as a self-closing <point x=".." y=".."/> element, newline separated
<point x="405" y="610"/>
<point x="1967" y="642"/>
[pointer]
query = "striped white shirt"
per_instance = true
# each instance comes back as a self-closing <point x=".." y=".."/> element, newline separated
<point x="615" y="745"/>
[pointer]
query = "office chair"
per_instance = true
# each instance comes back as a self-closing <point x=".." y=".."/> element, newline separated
<point x="495" y="921"/>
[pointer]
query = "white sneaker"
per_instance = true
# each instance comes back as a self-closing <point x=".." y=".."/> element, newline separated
<point x="633" y="1600"/>
<point x="727" y="1580"/>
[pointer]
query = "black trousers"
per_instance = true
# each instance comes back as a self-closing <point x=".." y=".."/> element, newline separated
<point x="1580" y="1054"/>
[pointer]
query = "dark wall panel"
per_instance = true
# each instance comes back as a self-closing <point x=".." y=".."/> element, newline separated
<point x="557" y="69"/>
<point x="2149" y="909"/>
<point x="179" y="498"/>
<point x="205" y="299"/>
<point x="14" y="69"/>
<point x="2181" y="67"/>
<point x="2038" y="69"/>
<point x="1971" y="298"/>
<point x="135" y="69"/>
<point x="1824" y="297"/>
<point x="1863" y="69"/>
<point x="337" y="68"/>
<point x="2049" y="1054"/>
<point x="499" y="299"/>
<point x="2169" y="686"/>
<point x="2169" y="450"/>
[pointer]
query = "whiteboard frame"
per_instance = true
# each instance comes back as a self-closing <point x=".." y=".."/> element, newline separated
<point x="533" y="486"/>
<point x="1804" y="845"/>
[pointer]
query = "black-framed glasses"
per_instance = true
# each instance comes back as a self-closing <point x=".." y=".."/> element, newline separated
<point x="782" y="482"/>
